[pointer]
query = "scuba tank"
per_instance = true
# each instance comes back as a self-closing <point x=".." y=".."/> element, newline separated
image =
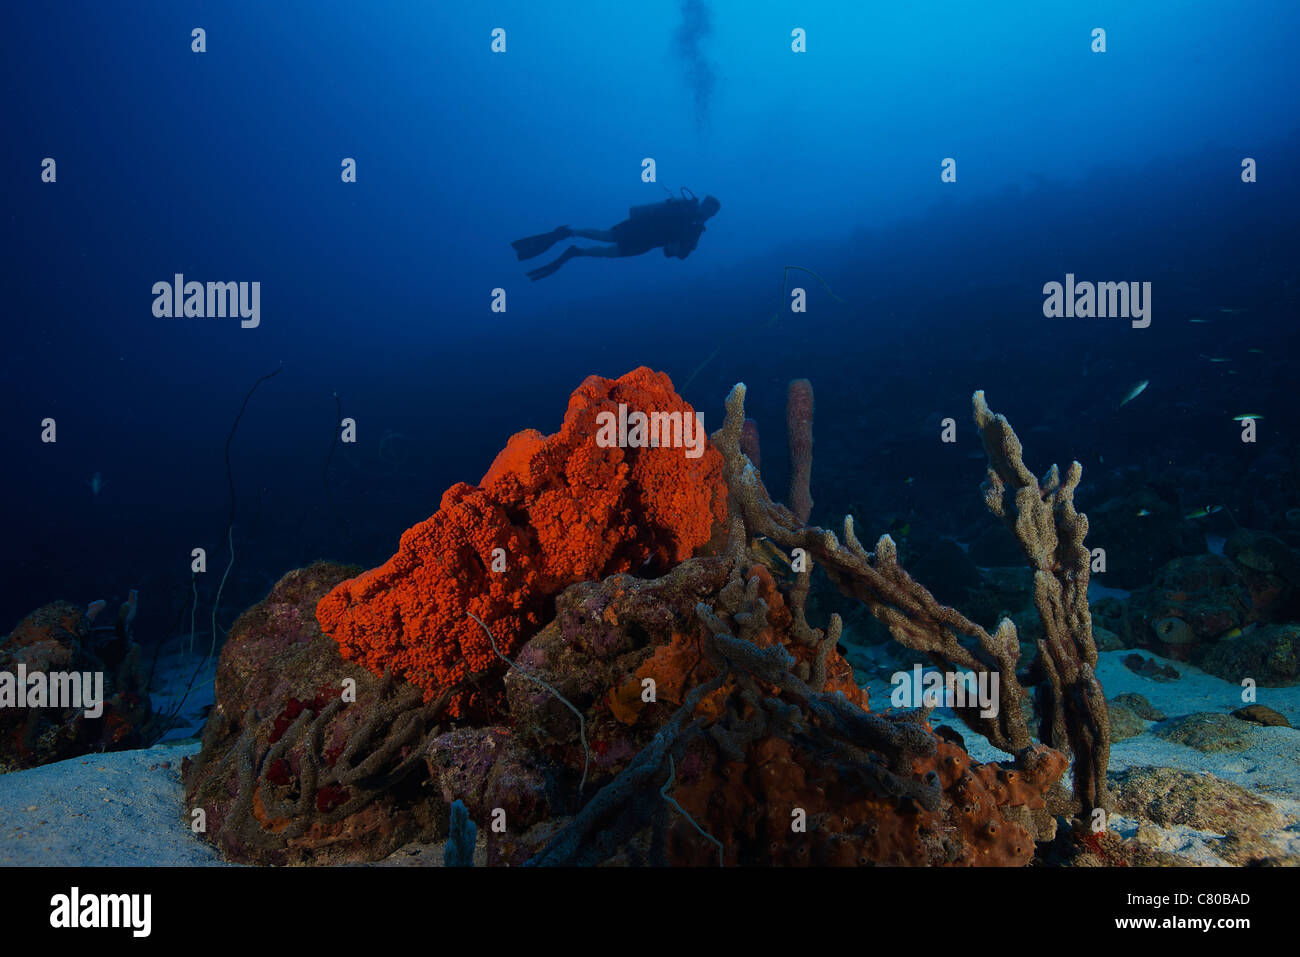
<point x="672" y="203"/>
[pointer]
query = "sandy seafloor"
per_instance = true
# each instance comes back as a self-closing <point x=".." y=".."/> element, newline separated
<point x="125" y="808"/>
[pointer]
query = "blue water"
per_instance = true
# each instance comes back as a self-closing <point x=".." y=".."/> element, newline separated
<point x="225" y="166"/>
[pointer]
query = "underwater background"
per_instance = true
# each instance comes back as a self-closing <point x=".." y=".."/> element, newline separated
<point x="225" y="166"/>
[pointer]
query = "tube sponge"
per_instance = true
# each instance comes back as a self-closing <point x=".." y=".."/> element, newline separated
<point x="461" y="839"/>
<point x="798" y="424"/>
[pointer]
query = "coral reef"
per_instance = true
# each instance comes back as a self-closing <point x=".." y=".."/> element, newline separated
<point x="628" y="651"/>
<point x="1267" y="654"/>
<point x="914" y="617"/>
<point x="551" y="511"/>
<point x="492" y="768"/>
<point x="1218" y="612"/>
<point x="1051" y="532"/>
<point x="754" y="747"/>
<point x="1271" y="571"/>
<point x="1188" y="605"/>
<point x="307" y="758"/>
<point x="605" y="639"/>
<point x="807" y="777"/>
<point x="680" y="708"/>
<point x="763" y="762"/>
<point x="63" y="638"/>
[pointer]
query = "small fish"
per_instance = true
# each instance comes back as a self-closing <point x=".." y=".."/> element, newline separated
<point x="1214" y="358"/>
<point x="1238" y="632"/>
<point x="1246" y="415"/>
<point x="1233" y="312"/>
<point x="1258" y="352"/>
<point x="1203" y="512"/>
<point x="1198" y="319"/>
<point x="1134" y="392"/>
<point x="909" y="481"/>
<point x="1143" y="512"/>
<point x="96" y="484"/>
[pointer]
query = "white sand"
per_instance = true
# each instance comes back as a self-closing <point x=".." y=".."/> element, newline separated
<point x="174" y="673"/>
<point x="113" y="809"/>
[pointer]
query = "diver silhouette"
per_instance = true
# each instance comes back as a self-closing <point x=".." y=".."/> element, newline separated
<point x="675" y="224"/>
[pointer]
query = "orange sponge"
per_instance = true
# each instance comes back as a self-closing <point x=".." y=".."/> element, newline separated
<point x="551" y="511"/>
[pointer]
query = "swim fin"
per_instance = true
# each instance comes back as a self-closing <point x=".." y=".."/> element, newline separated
<point x="531" y="246"/>
<point x="541" y="272"/>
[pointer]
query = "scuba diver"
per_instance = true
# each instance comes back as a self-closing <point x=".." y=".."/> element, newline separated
<point x="675" y="224"/>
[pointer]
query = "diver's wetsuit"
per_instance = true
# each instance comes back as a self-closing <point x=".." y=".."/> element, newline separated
<point x="674" y="224"/>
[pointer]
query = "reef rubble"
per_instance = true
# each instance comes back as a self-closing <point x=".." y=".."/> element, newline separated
<point x="57" y="649"/>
